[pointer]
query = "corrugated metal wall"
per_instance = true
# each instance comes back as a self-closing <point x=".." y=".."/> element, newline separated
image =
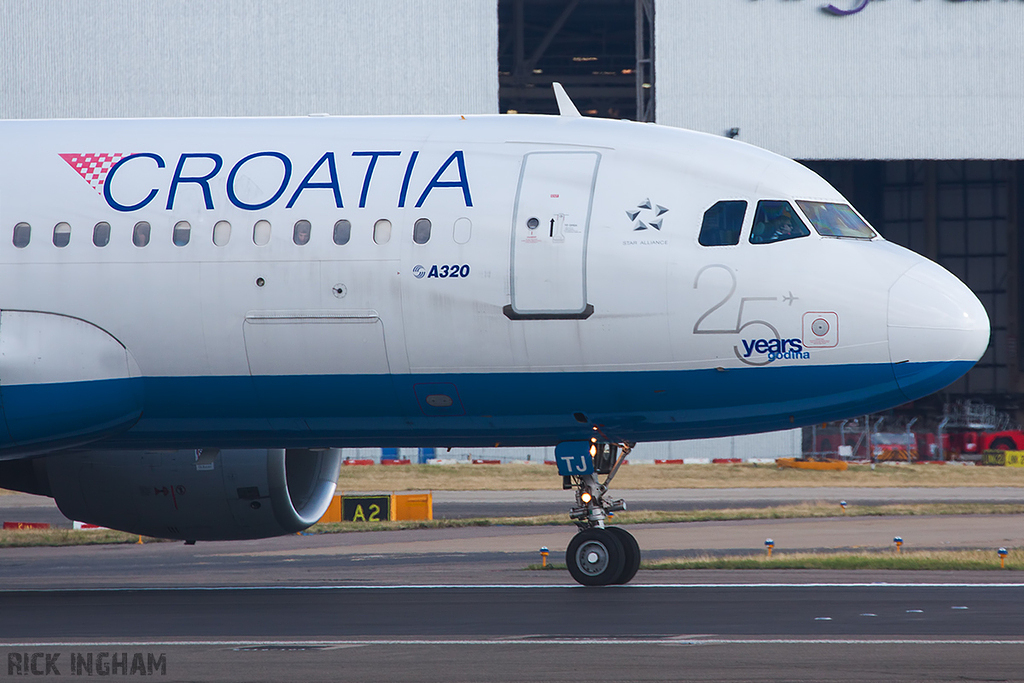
<point x="126" y="58"/>
<point x="903" y="79"/>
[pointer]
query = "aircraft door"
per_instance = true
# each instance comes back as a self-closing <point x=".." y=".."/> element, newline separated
<point x="549" y="236"/>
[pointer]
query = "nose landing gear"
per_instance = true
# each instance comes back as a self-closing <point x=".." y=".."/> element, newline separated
<point x="600" y="555"/>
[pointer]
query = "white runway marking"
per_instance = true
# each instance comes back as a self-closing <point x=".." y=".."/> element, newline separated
<point x="517" y="586"/>
<point x="392" y="642"/>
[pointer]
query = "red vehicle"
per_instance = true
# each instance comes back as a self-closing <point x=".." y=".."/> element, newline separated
<point x="974" y="442"/>
<point x="960" y="444"/>
<point x="884" y="445"/>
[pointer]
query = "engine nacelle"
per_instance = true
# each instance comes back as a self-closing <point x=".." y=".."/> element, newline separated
<point x="205" y="495"/>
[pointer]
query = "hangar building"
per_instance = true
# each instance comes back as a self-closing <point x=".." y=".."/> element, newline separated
<point x="913" y="108"/>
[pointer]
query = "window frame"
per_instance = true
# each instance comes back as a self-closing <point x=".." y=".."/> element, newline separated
<point x="97" y="230"/>
<point x="61" y="232"/>
<point x="739" y="232"/>
<point x="382" y="229"/>
<point x="182" y="227"/>
<point x="793" y="211"/>
<point x="21" y="228"/>
<point x="807" y="216"/>
<point x="256" y="231"/>
<point x="302" y="222"/>
<point x="342" y="224"/>
<point x="142" y="228"/>
<point x="221" y="228"/>
<point x="416" y="227"/>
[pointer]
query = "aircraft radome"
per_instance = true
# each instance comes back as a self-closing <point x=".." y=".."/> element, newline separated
<point x="197" y="314"/>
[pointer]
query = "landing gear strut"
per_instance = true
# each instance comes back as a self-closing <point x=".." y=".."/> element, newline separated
<point x="600" y="555"/>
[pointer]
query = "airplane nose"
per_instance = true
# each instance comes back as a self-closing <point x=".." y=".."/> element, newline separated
<point x="938" y="329"/>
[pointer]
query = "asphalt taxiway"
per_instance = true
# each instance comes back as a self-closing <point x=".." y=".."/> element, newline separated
<point x="467" y="504"/>
<point x="490" y="554"/>
<point x="458" y="605"/>
<point x="550" y="632"/>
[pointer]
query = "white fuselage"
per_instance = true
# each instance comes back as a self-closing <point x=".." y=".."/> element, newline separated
<point x="605" y="311"/>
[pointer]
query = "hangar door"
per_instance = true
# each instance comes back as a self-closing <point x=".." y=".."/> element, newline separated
<point x="549" y="235"/>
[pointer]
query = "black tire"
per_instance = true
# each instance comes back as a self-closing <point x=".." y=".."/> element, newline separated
<point x="632" y="550"/>
<point x="1003" y="443"/>
<point x="595" y="557"/>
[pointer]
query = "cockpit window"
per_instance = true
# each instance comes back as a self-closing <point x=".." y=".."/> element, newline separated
<point x="775" y="221"/>
<point x="722" y="223"/>
<point x="836" y="220"/>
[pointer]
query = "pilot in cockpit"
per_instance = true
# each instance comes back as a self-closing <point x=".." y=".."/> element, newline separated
<point x="776" y="221"/>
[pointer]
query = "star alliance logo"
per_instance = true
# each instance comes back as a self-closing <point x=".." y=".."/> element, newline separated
<point x="646" y="215"/>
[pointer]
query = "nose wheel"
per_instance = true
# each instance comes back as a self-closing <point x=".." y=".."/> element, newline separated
<point x="603" y="557"/>
<point x="600" y="555"/>
<point x="631" y="551"/>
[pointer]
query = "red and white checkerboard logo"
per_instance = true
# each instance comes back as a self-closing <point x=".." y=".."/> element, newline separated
<point x="94" y="167"/>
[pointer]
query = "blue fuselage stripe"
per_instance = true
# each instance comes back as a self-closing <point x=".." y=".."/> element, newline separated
<point x="483" y="409"/>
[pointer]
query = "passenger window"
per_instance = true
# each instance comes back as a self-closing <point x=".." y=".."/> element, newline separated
<point x="342" y="232"/>
<point x="300" y="235"/>
<point x="221" y="233"/>
<point x="722" y="224"/>
<point x="22" y="235"/>
<point x="382" y="231"/>
<point x="775" y="221"/>
<point x="421" y="231"/>
<point x="141" y="234"/>
<point x="182" y="233"/>
<point x="261" y="233"/>
<point x="462" y="230"/>
<point x="101" y="234"/>
<point x="61" y="235"/>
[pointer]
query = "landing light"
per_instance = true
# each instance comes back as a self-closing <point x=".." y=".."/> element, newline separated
<point x="586" y="497"/>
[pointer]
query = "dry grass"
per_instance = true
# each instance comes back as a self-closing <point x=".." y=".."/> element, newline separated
<point x="916" y="559"/>
<point x="798" y="511"/>
<point x="928" y="560"/>
<point x="533" y="477"/>
<point x="524" y="477"/>
<point x="28" y="538"/>
<point x="813" y="511"/>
